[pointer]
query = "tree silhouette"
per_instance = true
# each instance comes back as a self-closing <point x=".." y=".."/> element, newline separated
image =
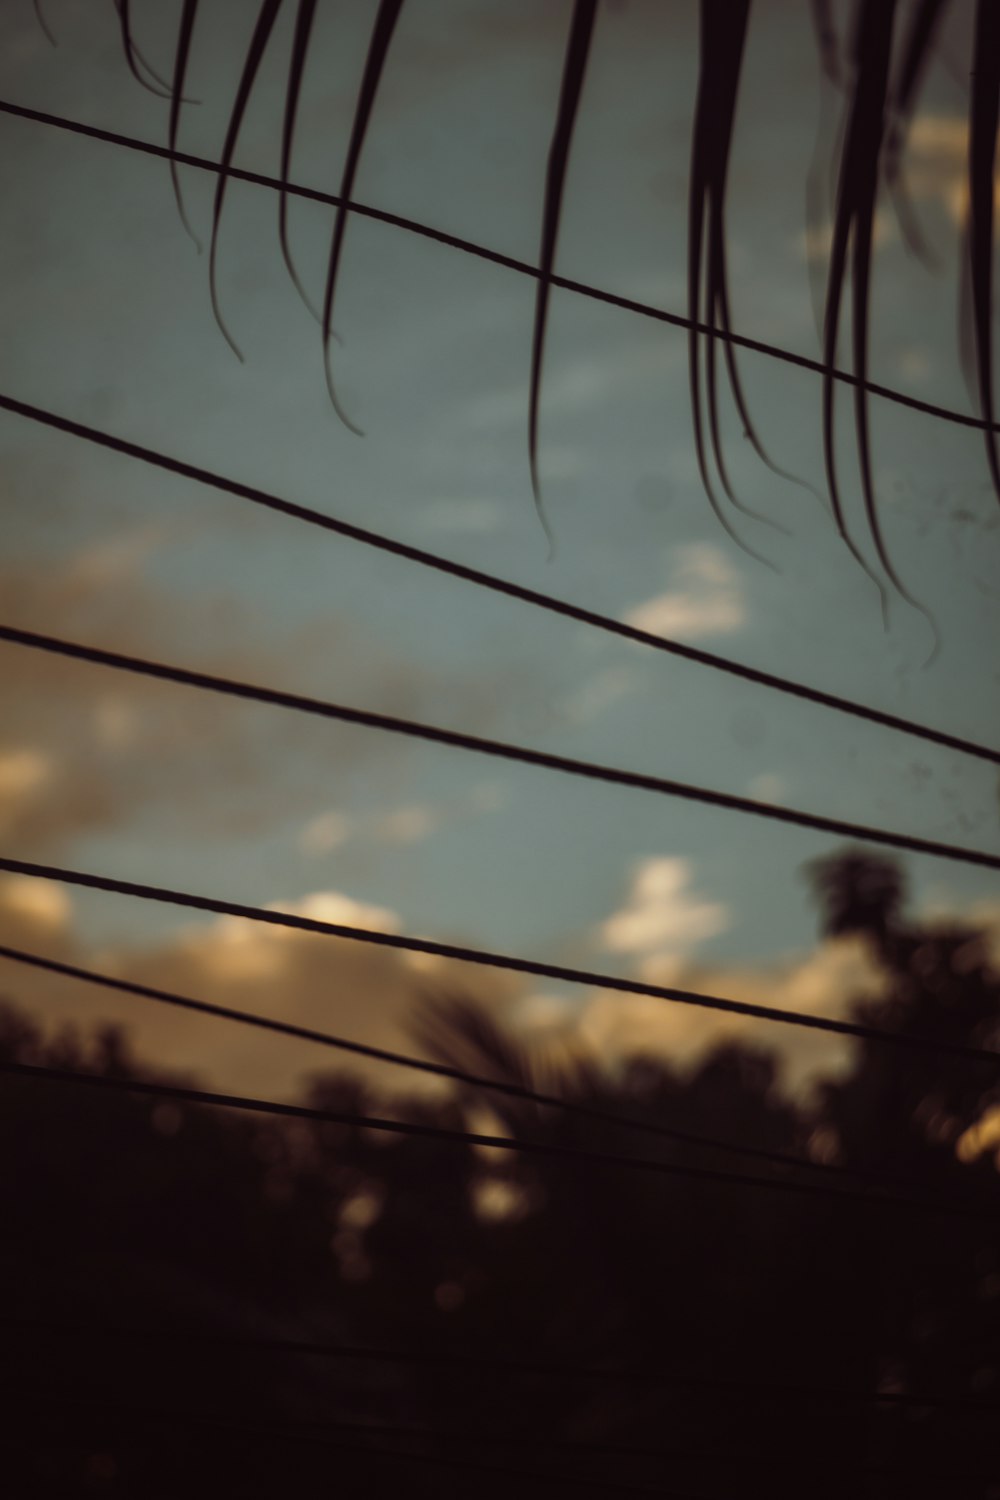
<point x="750" y="1328"/>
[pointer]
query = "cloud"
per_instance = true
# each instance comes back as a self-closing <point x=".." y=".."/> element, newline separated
<point x="767" y="787"/>
<point x="37" y="903"/>
<point x="816" y="241"/>
<point x="587" y="702"/>
<point x="486" y="797"/>
<point x="704" y="597"/>
<point x="369" y="994"/>
<point x="359" y="991"/>
<point x="935" y="172"/>
<point x="660" y="914"/>
<point x="986" y="914"/>
<point x="410" y="823"/>
<point x="87" y="750"/>
<point x="328" y="831"/>
<point x="23" y="775"/>
<point x="338" y="909"/>
<point x="825" y="981"/>
<point x="84" y="749"/>
<point x="472" y="517"/>
<point x="116" y="724"/>
<point x="936" y="164"/>
<point x="114" y="560"/>
<point x="405" y="825"/>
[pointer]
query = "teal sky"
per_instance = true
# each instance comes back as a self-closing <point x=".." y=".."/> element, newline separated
<point x="105" y="317"/>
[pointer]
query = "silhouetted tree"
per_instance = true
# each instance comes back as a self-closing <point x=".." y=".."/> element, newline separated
<point x="723" y="1306"/>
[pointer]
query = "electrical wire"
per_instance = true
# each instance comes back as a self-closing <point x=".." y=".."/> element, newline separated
<point x="578" y="1156"/>
<point x="442" y="1070"/>
<point x="504" y="586"/>
<point x="495" y="257"/>
<point x="502" y="749"/>
<point x="931" y="1046"/>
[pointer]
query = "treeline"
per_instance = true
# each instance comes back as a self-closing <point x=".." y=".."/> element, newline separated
<point x="544" y="1321"/>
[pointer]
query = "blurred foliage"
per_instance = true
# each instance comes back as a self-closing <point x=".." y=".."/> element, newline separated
<point x="178" y="1221"/>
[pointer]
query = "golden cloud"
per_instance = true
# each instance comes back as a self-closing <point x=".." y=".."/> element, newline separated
<point x="704" y="597"/>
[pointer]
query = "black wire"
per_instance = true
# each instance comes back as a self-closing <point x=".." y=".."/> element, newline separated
<point x="568" y="1155"/>
<point x="502" y="749"/>
<point x="926" y="1045"/>
<point x="498" y="585"/>
<point x="441" y="1070"/>
<point x="642" y="1375"/>
<point x="510" y="262"/>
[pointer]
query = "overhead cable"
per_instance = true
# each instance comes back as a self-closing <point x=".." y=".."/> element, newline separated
<point x="927" y="1046"/>
<point x="502" y="749"/>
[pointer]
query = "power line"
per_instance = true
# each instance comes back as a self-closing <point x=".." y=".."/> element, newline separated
<point x="481" y="579"/>
<point x="502" y="749"/>
<point x="445" y="1135"/>
<point x="440" y="1070"/>
<point x="496" y="257"/>
<point x="642" y="1375"/>
<point x="593" y="979"/>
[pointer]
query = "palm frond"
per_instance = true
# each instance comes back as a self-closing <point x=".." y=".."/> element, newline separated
<point x="574" y="71"/>
<point x="985" y="104"/>
<point x="46" y="29"/>
<point x="722" y="41"/>
<point x="917" y="48"/>
<point x="266" y="17"/>
<point x="853" y="228"/>
<point x="185" y="30"/>
<point x="378" y="49"/>
<point x="144" y="75"/>
<point x="461" y="1034"/>
<point x="879" y="105"/>
<point x="827" y="39"/>
<point x="304" y="18"/>
<point x="736" y="386"/>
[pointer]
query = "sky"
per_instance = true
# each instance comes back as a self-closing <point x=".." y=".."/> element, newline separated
<point x="105" y="318"/>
